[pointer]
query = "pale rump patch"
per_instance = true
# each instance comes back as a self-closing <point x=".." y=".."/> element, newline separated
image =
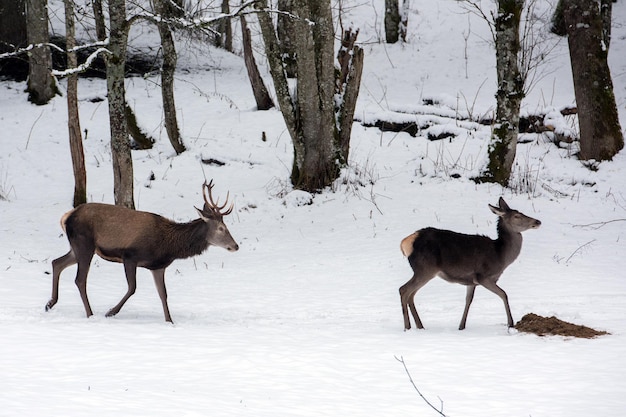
<point x="406" y="246"/>
<point x="64" y="219"/>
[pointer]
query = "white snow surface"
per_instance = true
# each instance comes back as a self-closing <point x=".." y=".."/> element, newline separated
<point x="305" y="319"/>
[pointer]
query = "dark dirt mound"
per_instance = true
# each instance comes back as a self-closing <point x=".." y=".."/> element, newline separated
<point x="544" y="326"/>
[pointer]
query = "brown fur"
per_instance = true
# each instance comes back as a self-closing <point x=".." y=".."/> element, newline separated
<point x="136" y="239"/>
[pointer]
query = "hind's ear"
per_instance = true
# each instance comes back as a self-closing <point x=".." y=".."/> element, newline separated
<point x="497" y="210"/>
<point x="503" y="205"/>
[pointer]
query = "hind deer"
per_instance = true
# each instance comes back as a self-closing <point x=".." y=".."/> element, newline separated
<point x="137" y="239"/>
<point x="470" y="260"/>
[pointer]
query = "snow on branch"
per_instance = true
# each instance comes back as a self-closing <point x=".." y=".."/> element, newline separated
<point x="82" y="67"/>
<point x="192" y="22"/>
<point x="25" y="50"/>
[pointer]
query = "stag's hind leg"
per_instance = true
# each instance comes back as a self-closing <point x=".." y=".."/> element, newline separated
<point x="58" y="265"/>
<point x="84" y="262"/>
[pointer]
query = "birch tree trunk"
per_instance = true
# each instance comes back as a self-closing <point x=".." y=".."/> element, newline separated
<point x="167" y="77"/>
<point x="509" y="94"/>
<point x="123" y="188"/>
<point x="41" y="84"/>
<point x="73" y="118"/>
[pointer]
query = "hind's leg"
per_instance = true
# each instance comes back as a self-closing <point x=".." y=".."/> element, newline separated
<point x="407" y="296"/>
<point x="468" y="301"/>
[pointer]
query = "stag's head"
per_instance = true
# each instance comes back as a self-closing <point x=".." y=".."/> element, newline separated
<point x="212" y="213"/>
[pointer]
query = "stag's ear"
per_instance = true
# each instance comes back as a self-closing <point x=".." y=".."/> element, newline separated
<point x="204" y="215"/>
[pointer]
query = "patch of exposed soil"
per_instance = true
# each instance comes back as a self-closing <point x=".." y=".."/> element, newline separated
<point x="546" y="326"/>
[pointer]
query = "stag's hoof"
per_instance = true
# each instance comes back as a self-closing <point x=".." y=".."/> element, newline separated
<point x="50" y="304"/>
<point x="110" y="313"/>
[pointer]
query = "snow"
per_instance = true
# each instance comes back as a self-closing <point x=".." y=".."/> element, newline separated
<point x="305" y="319"/>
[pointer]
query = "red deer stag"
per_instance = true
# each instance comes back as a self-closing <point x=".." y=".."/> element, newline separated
<point x="469" y="260"/>
<point x="137" y="239"/>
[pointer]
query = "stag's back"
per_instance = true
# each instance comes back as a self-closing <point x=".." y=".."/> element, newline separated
<point x="109" y="226"/>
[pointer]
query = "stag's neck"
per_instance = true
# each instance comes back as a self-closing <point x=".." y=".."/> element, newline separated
<point x="509" y="242"/>
<point x="189" y="239"/>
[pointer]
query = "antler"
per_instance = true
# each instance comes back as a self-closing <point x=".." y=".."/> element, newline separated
<point x="212" y="205"/>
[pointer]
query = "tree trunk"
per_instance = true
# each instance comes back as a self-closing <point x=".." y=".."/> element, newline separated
<point x="120" y="146"/>
<point x="141" y="139"/>
<point x="224" y="28"/>
<point x="392" y="21"/>
<point x="167" y="78"/>
<point x="41" y="84"/>
<point x="261" y="95"/>
<point x="317" y="167"/>
<point x="73" y="118"/>
<point x="348" y="85"/>
<point x="284" y="30"/>
<point x="509" y="95"/>
<point x="606" y="12"/>
<point x="312" y="115"/>
<point x="13" y="35"/>
<point x="600" y="132"/>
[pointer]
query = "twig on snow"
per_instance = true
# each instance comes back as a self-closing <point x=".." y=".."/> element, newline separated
<point x="440" y="410"/>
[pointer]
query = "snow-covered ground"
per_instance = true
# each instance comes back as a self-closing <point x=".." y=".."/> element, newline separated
<point x="305" y="319"/>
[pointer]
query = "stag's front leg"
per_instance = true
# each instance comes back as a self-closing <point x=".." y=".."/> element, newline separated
<point x="159" y="281"/>
<point x="131" y="277"/>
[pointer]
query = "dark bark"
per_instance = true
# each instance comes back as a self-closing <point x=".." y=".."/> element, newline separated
<point x="312" y="115"/>
<point x="284" y="30"/>
<point x="167" y="78"/>
<point x="120" y="146"/>
<point x="350" y="59"/>
<point x="13" y="35"/>
<point x="509" y="94"/>
<point x="41" y="84"/>
<point x="600" y="131"/>
<point x="261" y="95"/>
<point x="224" y="38"/>
<point x="141" y="139"/>
<point x="606" y="11"/>
<point x="392" y="21"/>
<point x="73" y="119"/>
